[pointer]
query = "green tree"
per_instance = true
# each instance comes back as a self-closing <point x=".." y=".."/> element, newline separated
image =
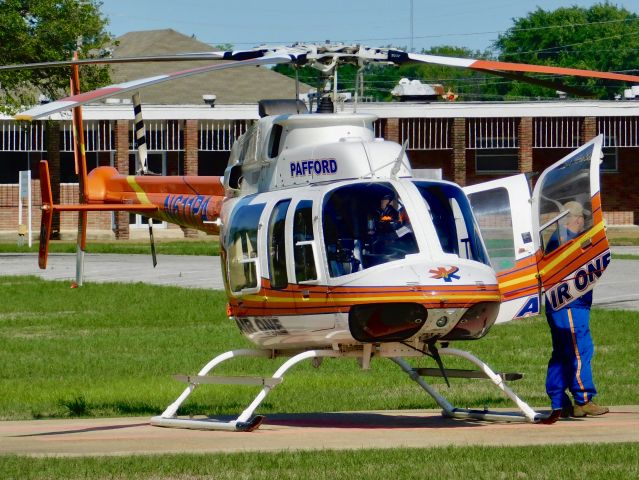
<point x="48" y="30"/>
<point x="602" y="37"/>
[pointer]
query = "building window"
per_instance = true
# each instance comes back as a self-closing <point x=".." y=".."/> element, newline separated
<point x="610" y="160"/>
<point x="499" y="160"/>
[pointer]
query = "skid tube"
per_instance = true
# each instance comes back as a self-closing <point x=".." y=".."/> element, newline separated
<point x="448" y="410"/>
<point x="246" y="422"/>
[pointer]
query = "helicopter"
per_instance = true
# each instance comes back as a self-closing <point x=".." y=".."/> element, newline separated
<point x="330" y="247"/>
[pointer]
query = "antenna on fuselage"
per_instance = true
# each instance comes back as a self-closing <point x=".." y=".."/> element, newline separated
<point x="399" y="160"/>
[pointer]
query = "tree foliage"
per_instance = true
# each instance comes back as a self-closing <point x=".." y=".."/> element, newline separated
<point x="43" y="31"/>
<point x="602" y="37"/>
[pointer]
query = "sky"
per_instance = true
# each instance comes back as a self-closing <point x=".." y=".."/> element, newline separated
<point x="474" y="24"/>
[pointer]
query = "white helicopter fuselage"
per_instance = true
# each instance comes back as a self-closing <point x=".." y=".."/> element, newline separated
<point x="328" y="240"/>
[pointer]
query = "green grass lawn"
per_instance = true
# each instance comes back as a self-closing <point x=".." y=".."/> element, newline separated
<point x="166" y="247"/>
<point x="591" y="461"/>
<point x="110" y="350"/>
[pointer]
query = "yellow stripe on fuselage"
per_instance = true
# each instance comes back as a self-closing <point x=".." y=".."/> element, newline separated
<point x="376" y="298"/>
<point x="561" y="258"/>
<point x="139" y="192"/>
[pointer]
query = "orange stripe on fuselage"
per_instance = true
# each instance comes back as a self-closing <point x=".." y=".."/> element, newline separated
<point x="296" y="300"/>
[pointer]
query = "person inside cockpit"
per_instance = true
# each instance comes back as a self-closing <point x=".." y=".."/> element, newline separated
<point x="385" y="220"/>
<point x="387" y="227"/>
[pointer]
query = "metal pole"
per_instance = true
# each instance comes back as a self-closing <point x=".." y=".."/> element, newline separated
<point x="411" y="27"/>
<point x="30" y="233"/>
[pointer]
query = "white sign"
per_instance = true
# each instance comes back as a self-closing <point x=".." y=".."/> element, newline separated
<point x="25" y="182"/>
<point x="25" y="197"/>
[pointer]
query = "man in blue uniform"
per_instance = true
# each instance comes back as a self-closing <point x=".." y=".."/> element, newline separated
<point x="572" y="345"/>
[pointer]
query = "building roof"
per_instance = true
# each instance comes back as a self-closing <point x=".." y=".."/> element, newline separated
<point x="232" y="86"/>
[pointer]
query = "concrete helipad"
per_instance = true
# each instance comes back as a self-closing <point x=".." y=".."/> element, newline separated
<point x="381" y="429"/>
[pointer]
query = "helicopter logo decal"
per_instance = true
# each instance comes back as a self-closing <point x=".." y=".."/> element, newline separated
<point x="447" y="274"/>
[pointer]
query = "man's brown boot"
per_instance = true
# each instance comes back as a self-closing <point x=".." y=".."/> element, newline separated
<point x="590" y="408"/>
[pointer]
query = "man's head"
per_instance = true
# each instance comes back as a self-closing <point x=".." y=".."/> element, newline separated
<point x="386" y="199"/>
<point x="575" y="217"/>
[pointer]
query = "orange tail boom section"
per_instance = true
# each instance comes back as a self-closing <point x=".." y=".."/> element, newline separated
<point x="188" y="201"/>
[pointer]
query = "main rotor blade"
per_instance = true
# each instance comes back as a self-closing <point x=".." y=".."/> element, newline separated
<point x="492" y="65"/>
<point x="179" y="57"/>
<point x="111" y="90"/>
<point x="541" y="82"/>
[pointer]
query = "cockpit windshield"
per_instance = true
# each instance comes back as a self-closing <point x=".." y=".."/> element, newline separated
<point x="451" y="214"/>
<point x="365" y="225"/>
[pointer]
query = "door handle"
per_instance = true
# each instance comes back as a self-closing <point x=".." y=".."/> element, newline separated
<point x="586" y="244"/>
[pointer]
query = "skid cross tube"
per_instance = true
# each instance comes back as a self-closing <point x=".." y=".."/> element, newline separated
<point x="245" y="421"/>
<point x="527" y="415"/>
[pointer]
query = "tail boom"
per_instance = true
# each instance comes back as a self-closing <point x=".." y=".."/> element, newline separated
<point x="188" y="201"/>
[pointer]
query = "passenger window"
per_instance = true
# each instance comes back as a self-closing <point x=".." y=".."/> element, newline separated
<point x="241" y="246"/>
<point x="277" y="246"/>
<point x="492" y="210"/>
<point x="365" y="225"/>
<point x="274" y="141"/>
<point x="303" y="241"/>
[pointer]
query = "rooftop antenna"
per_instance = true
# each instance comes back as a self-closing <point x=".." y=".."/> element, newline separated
<point x="412" y="50"/>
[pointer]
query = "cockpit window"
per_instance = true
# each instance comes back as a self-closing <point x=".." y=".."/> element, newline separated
<point x="365" y="225"/>
<point x="451" y="215"/>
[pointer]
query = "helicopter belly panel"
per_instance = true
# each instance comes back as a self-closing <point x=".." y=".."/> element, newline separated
<point x="293" y="331"/>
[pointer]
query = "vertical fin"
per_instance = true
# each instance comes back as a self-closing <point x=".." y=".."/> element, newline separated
<point x="47" y="214"/>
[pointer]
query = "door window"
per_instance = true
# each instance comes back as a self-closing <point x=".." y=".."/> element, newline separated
<point x="303" y="241"/>
<point x="492" y="209"/>
<point x="565" y="209"/>
<point x="277" y="245"/>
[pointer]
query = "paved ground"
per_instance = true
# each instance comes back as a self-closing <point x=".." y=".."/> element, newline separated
<point x="618" y="289"/>
<point x="126" y="436"/>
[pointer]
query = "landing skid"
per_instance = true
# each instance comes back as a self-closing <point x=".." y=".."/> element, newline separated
<point x="527" y="413"/>
<point x="246" y="422"/>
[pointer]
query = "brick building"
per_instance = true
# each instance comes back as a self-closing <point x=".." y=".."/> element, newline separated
<point x="469" y="142"/>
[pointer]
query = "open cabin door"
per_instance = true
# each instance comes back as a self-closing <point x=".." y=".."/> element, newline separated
<point x="573" y="252"/>
<point x="528" y="239"/>
<point x="503" y="210"/>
